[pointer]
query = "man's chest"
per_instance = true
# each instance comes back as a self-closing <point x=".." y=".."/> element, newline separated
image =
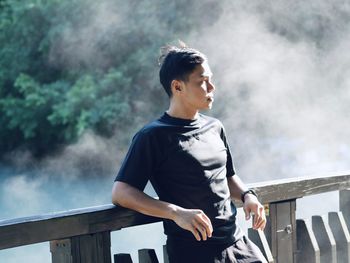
<point x="193" y="153"/>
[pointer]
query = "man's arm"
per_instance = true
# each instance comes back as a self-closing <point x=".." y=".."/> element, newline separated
<point x="251" y="203"/>
<point x="193" y="220"/>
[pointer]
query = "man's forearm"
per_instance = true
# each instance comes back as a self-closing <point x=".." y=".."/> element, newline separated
<point x="236" y="186"/>
<point x="132" y="198"/>
<point x="250" y="203"/>
<point x="193" y="220"/>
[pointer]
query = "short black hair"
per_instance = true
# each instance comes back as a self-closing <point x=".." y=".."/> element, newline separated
<point x="177" y="63"/>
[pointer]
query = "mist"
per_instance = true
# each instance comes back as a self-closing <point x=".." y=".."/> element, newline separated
<point x="281" y="71"/>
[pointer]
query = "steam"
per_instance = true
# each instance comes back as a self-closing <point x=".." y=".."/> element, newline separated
<point x="91" y="156"/>
<point x="83" y="43"/>
<point x="282" y="72"/>
<point x="81" y="176"/>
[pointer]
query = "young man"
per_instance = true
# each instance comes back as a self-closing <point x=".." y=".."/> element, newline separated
<point x="186" y="157"/>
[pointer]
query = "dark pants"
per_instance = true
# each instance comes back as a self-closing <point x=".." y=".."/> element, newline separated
<point x="242" y="251"/>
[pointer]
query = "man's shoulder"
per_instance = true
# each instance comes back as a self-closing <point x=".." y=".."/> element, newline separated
<point x="212" y="120"/>
<point x="150" y="129"/>
<point x="152" y="126"/>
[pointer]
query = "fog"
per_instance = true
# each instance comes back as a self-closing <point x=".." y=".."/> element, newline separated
<point x="281" y="70"/>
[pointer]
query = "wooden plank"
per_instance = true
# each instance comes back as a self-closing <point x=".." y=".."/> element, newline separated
<point x="325" y="240"/>
<point x="67" y="224"/>
<point x="147" y="255"/>
<point x="341" y="235"/>
<point x="344" y="205"/>
<point x="282" y="233"/>
<point x="259" y="239"/>
<point x="292" y="188"/>
<point x="55" y="226"/>
<point x="308" y="250"/>
<point x="122" y="258"/>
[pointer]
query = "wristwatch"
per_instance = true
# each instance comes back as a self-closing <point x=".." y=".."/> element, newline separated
<point x="250" y="191"/>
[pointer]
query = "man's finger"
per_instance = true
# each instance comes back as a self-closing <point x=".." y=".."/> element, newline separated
<point x="196" y="234"/>
<point x="258" y="216"/>
<point x="201" y="229"/>
<point x="257" y="221"/>
<point x="261" y="224"/>
<point x="207" y="224"/>
<point x="207" y="219"/>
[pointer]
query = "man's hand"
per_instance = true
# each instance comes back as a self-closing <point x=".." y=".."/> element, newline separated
<point x="252" y="205"/>
<point x="194" y="220"/>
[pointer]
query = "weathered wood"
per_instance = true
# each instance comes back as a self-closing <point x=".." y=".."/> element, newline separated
<point x="308" y="250"/>
<point x="292" y="188"/>
<point x="283" y="236"/>
<point x="55" y="226"/>
<point x="259" y="239"/>
<point x="61" y="251"/>
<point x="29" y="230"/>
<point x="165" y="254"/>
<point x="344" y="205"/>
<point x="91" y="248"/>
<point x="325" y="240"/>
<point x="341" y="235"/>
<point x="147" y="256"/>
<point x="122" y="258"/>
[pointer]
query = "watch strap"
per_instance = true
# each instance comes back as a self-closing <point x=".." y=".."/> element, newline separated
<point x="250" y="191"/>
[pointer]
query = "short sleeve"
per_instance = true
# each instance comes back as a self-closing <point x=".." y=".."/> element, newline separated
<point x="138" y="164"/>
<point x="230" y="168"/>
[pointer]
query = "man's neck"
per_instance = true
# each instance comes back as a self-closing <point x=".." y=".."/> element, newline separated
<point x="181" y="112"/>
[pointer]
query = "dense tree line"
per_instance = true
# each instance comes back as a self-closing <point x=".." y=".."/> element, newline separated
<point x="68" y="66"/>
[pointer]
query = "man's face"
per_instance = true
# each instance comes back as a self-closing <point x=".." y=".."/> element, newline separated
<point x="198" y="91"/>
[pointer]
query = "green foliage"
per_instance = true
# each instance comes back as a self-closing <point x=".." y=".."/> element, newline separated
<point x="68" y="66"/>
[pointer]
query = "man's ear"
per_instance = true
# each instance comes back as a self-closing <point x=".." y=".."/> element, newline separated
<point x="176" y="86"/>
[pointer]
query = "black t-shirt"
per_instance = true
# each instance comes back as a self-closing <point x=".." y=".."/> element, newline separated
<point x="187" y="162"/>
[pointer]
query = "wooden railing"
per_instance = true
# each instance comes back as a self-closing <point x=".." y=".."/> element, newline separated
<point x="83" y="235"/>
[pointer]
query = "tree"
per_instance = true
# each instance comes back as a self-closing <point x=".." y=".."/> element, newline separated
<point x="68" y="66"/>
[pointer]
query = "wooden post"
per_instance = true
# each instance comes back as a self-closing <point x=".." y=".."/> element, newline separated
<point x="122" y="258"/>
<point x="325" y="240"/>
<point x="282" y="232"/>
<point x="344" y="205"/>
<point x="259" y="239"/>
<point x="147" y="256"/>
<point x="82" y="249"/>
<point x="341" y="234"/>
<point x="308" y="250"/>
<point x="61" y="251"/>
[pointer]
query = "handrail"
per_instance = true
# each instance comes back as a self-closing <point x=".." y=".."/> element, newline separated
<point x="53" y="226"/>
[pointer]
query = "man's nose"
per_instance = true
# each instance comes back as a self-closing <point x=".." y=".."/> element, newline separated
<point x="210" y="86"/>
